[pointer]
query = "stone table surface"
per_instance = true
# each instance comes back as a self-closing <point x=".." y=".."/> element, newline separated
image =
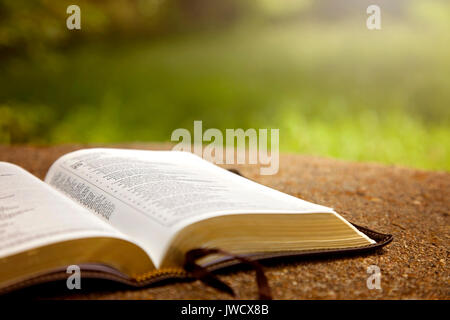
<point x="413" y="205"/>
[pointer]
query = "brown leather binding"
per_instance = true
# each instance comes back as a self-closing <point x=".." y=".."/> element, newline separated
<point x="88" y="271"/>
<point x="203" y="274"/>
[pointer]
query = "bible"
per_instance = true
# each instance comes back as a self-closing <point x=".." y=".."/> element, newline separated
<point x="132" y="215"/>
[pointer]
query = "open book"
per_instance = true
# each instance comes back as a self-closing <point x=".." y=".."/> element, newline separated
<point x="131" y="215"/>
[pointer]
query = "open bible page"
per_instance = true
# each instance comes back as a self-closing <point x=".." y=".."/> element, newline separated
<point x="154" y="194"/>
<point x="32" y="214"/>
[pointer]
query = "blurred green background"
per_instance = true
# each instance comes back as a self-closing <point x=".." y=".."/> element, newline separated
<point x="138" y="69"/>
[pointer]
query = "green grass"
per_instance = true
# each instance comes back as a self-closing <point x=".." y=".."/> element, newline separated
<point x="341" y="91"/>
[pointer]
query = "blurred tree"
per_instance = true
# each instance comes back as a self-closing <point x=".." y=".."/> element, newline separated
<point x="28" y="26"/>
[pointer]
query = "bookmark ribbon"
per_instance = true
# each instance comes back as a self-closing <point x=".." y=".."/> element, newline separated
<point x="208" y="278"/>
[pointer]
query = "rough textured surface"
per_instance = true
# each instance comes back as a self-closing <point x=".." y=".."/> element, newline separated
<point x="412" y="205"/>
